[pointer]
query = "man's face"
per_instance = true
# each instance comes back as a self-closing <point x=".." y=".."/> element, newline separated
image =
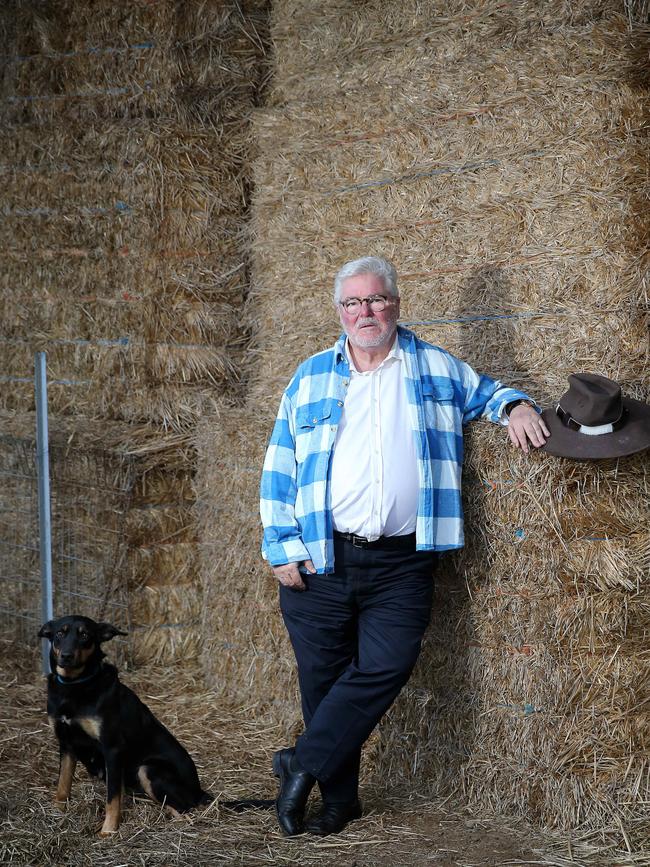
<point x="367" y="329"/>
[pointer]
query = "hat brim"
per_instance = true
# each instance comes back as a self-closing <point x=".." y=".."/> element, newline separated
<point x="632" y="437"/>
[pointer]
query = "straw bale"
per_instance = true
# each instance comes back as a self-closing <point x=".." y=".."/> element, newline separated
<point x="164" y="607"/>
<point x="498" y="156"/>
<point x="124" y="196"/>
<point x="164" y="485"/>
<point x="533" y="680"/>
<point x="451" y="179"/>
<point x="54" y="60"/>
<point x="154" y="565"/>
<point x="165" y="597"/>
<point x="155" y="526"/>
<point x="125" y="221"/>
<point x="246" y="653"/>
<point x="166" y="643"/>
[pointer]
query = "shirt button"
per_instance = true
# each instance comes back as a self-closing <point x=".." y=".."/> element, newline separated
<point x="339" y="403"/>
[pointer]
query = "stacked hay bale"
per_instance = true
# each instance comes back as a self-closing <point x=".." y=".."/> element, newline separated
<point x="496" y="155"/>
<point x="531" y="689"/>
<point x="124" y="195"/>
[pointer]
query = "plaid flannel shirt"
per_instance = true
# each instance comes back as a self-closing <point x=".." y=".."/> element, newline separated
<point x="443" y="393"/>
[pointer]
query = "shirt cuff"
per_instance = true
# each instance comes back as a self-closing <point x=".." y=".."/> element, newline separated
<point x="291" y="551"/>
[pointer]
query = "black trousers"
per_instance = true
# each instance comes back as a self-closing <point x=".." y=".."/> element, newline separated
<point x="356" y="634"/>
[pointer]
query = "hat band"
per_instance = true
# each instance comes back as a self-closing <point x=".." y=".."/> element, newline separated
<point x="589" y="430"/>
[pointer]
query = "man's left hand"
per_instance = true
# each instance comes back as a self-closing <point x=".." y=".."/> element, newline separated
<point x="524" y="426"/>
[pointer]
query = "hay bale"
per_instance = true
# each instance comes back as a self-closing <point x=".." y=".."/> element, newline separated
<point x="123" y="202"/>
<point x="90" y="489"/>
<point x="246" y="653"/>
<point x="498" y="156"/>
<point x="162" y="568"/>
<point x="530" y="686"/>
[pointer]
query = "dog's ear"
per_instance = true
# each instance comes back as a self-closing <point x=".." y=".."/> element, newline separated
<point x="47" y="630"/>
<point x="106" y="631"/>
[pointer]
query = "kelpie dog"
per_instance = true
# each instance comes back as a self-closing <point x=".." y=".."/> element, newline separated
<point x="103" y="724"/>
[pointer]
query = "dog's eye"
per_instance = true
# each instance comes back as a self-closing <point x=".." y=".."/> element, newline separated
<point x="83" y="636"/>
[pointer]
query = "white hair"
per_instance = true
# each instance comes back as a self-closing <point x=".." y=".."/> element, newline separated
<point x="367" y="265"/>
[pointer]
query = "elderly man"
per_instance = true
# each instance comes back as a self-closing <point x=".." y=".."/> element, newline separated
<point x="360" y="491"/>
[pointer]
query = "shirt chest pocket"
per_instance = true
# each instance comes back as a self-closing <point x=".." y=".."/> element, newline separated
<point x="439" y="404"/>
<point x="315" y="429"/>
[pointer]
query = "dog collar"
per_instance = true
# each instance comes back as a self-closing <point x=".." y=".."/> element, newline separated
<point x="71" y="681"/>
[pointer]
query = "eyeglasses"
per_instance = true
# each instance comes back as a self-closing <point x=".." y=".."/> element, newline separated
<point x="375" y="302"/>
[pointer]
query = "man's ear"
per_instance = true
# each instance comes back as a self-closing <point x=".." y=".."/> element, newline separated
<point x="47" y="630"/>
<point x="106" y="631"/>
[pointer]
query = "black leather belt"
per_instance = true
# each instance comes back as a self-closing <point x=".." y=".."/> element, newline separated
<point x="385" y="542"/>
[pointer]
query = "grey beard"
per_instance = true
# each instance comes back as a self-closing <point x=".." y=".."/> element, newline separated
<point x="370" y="342"/>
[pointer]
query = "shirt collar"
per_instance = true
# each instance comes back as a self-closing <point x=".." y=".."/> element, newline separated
<point x="395" y="352"/>
<point x="405" y="343"/>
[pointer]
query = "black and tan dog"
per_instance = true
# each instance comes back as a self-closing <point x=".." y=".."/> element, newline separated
<point x="103" y="724"/>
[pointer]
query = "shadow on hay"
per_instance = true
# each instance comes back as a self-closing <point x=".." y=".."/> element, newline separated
<point x="491" y="348"/>
<point x="431" y="732"/>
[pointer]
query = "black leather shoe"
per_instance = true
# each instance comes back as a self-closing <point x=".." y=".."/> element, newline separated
<point x="295" y="787"/>
<point x="333" y="818"/>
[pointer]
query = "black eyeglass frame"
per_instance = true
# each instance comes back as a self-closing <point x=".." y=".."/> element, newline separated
<point x="371" y="301"/>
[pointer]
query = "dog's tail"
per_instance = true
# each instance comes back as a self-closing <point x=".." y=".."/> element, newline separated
<point x="239" y="805"/>
<point x="206" y="799"/>
<point x="242" y="804"/>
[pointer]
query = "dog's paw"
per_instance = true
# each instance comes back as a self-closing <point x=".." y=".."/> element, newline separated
<point x="60" y="804"/>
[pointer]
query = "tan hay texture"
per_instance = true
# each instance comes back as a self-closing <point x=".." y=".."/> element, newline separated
<point x="498" y="155"/>
<point x="90" y="495"/>
<point x="124" y="196"/>
<point x="232" y="749"/>
<point x="246" y="654"/>
<point x="538" y="651"/>
<point x="120" y="227"/>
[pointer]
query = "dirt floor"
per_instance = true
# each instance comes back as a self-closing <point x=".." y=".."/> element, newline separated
<point x="233" y="750"/>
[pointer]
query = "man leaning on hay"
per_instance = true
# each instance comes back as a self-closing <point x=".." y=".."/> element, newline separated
<point x="360" y="491"/>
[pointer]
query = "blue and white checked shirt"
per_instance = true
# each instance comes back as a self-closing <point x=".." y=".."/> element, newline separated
<point x="443" y="393"/>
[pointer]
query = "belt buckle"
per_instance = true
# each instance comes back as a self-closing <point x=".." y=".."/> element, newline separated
<point x="358" y="541"/>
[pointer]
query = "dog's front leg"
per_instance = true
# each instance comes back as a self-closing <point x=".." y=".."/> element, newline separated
<point x="113" y="792"/>
<point x="67" y="764"/>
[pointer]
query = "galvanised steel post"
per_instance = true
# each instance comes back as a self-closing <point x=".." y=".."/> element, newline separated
<point x="44" y="515"/>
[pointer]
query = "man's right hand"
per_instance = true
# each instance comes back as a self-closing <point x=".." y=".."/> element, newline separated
<point x="289" y="575"/>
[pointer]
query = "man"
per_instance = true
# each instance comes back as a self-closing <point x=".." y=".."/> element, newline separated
<point x="360" y="491"/>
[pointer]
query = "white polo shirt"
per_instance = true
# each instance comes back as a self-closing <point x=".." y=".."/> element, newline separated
<point x="374" y="475"/>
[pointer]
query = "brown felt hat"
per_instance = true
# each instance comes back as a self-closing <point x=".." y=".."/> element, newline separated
<point x="594" y="420"/>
